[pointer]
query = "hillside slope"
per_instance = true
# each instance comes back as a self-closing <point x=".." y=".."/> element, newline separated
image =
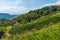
<point x="44" y="21"/>
<point x="49" y="33"/>
<point x="33" y="15"/>
<point x="35" y="27"/>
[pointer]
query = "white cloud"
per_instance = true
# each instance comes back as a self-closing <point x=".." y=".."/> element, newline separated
<point x="18" y="2"/>
<point x="57" y="3"/>
<point x="50" y="4"/>
<point x="20" y="9"/>
<point x="13" y="9"/>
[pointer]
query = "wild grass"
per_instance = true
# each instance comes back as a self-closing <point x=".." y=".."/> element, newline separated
<point x="49" y="33"/>
<point x="37" y="24"/>
<point x="44" y="28"/>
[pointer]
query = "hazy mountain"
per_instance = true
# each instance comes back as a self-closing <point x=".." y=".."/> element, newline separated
<point x="2" y="20"/>
<point x="7" y="16"/>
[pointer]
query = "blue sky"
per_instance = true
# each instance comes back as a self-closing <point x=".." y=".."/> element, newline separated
<point x="22" y="6"/>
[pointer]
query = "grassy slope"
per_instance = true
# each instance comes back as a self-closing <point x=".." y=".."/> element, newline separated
<point x="46" y="28"/>
<point x="49" y="33"/>
<point x="3" y="28"/>
<point x="37" y="24"/>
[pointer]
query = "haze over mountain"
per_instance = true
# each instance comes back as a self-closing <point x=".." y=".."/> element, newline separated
<point x="7" y="16"/>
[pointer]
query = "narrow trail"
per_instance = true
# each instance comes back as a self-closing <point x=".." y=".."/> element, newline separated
<point x="8" y="28"/>
<point x="7" y="34"/>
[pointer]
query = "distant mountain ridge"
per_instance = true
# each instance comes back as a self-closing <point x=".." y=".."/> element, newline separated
<point x="2" y="20"/>
<point x="7" y="16"/>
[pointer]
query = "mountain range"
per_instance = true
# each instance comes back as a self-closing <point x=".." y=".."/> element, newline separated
<point x="7" y="16"/>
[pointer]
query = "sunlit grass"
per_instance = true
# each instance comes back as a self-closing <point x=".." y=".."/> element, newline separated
<point x="37" y="24"/>
<point x="44" y="28"/>
<point x="49" y="33"/>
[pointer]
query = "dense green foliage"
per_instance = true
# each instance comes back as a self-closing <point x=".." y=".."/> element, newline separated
<point x="37" y="24"/>
<point x="33" y="15"/>
<point x="41" y="24"/>
<point x="49" y="33"/>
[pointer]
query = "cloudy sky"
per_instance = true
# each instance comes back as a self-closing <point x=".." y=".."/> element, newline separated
<point x="22" y="6"/>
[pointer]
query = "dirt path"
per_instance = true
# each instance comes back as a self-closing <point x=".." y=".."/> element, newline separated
<point x="8" y="28"/>
<point x="7" y="34"/>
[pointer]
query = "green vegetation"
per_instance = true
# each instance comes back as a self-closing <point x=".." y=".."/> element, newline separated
<point x="41" y="24"/>
<point x="49" y="33"/>
<point x="37" y="24"/>
<point x="33" y="15"/>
